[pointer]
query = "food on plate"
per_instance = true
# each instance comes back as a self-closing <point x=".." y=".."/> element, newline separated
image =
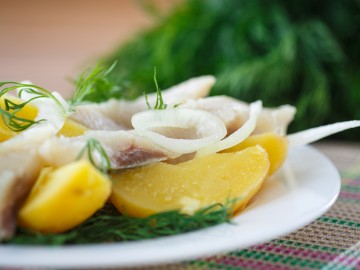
<point x="275" y="145"/>
<point x="175" y="150"/>
<point x="72" y="129"/>
<point x="28" y="112"/>
<point x="78" y="187"/>
<point x="191" y="185"/>
<point x="116" y="114"/>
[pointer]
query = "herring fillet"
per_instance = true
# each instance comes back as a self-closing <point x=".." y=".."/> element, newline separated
<point x="15" y="184"/>
<point x="116" y="114"/>
<point x="235" y="113"/>
<point x="20" y="165"/>
<point x="125" y="149"/>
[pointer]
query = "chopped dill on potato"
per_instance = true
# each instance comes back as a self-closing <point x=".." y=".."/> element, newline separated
<point x="108" y="226"/>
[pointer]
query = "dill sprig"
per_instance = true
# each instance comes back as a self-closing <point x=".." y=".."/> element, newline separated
<point x="14" y="122"/>
<point x="159" y="104"/>
<point x="11" y="120"/>
<point x="36" y="91"/>
<point x="93" y="148"/>
<point x="281" y="52"/>
<point x="93" y="84"/>
<point x="9" y="113"/>
<point x="108" y="226"/>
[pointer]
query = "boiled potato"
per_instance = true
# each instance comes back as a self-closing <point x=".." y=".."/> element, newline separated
<point x="276" y="146"/>
<point x="65" y="197"/>
<point x="72" y="129"/>
<point x="191" y="185"/>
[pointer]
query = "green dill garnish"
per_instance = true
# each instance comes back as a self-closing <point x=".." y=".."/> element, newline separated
<point x="159" y="104"/>
<point x="36" y="91"/>
<point x="92" y="148"/>
<point x="9" y="113"/>
<point x="108" y="226"/>
<point x="14" y="122"/>
<point x="11" y="120"/>
<point x="282" y="52"/>
<point x="93" y="85"/>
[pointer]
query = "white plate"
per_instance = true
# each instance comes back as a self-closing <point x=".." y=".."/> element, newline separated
<point x="301" y="191"/>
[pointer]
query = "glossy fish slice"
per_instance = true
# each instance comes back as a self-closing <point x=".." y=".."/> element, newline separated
<point x="20" y="165"/>
<point x="235" y="113"/>
<point x="116" y="114"/>
<point x="124" y="149"/>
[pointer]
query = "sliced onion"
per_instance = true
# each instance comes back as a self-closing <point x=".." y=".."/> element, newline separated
<point x="314" y="134"/>
<point x="206" y="128"/>
<point x="48" y="110"/>
<point x="238" y="136"/>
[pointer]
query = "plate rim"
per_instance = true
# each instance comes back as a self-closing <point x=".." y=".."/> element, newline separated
<point x="108" y="260"/>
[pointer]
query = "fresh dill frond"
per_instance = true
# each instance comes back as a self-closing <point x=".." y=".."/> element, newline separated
<point x="10" y="118"/>
<point x="16" y="123"/>
<point x="147" y="101"/>
<point x="108" y="226"/>
<point x="93" y="85"/>
<point x="159" y="104"/>
<point x="9" y="113"/>
<point x="92" y="148"/>
<point x="36" y="91"/>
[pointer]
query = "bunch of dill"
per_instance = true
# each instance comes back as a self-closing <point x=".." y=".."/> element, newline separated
<point x="280" y="51"/>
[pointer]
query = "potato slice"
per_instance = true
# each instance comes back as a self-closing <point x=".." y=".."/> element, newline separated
<point x="276" y="146"/>
<point x="64" y="197"/>
<point x="191" y="185"/>
<point x="72" y="129"/>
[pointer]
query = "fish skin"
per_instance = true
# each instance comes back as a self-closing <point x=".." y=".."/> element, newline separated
<point x="125" y="149"/>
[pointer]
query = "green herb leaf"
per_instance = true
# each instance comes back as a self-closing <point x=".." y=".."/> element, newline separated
<point x="93" y="85"/>
<point x="159" y="104"/>
<point x="16" y="123"/>
<point x="107" y="226"/>
<point x="35" y="90"/>
<point x="281" y="52"/>
<point x="9" y="113"/>
<point x="92" y="148"/>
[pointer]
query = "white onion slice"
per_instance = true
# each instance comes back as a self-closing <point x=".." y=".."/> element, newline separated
<point x="206" y="128"/>
<point x="238" y="136"/>
<point x="48" y="109"/>
<point x="314" y="134"/>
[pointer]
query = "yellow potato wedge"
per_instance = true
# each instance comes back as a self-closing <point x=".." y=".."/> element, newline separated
<point x="64" y="198"/>
<point x="191" y="185"/>
<point x="276" y="146"/>
<point x="72" y="129"/>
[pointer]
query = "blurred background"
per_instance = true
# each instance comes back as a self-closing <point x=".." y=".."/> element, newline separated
<point x="305" y="53"/>
<point x="48" y="42"/>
